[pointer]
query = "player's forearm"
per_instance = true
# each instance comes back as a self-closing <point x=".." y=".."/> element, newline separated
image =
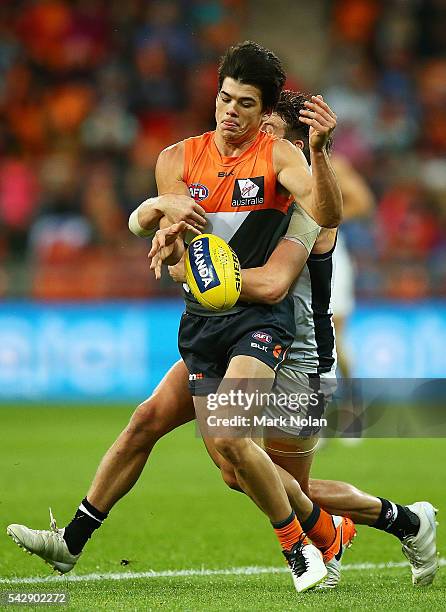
<point x="144" y="220"/>
<point x="327" y="197"/>
<point x="258" y="285"/>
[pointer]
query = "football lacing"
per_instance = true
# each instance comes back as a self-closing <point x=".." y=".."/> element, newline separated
<point x="296" y="559"/>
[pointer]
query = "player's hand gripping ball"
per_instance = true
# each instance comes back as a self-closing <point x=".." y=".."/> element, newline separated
<point x="213" y="272"/>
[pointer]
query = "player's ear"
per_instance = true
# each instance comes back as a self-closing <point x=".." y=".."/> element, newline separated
<point x="299" y="144"/>
<point x="266" y="115"/>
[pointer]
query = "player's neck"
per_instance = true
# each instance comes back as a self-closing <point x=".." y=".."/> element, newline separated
<point x="229" y="148"/>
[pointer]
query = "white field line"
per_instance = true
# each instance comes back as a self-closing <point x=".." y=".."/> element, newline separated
<point x="232" y="571"/>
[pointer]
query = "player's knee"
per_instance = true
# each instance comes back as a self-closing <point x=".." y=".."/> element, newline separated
<point x="314" y="491"/>
<point x="146" y="425"/>
<point x="304" y="485"/>
<point x="232" y="449"/>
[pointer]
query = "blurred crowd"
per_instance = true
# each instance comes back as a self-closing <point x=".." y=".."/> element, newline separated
<point x="386" y="79"/>
<point x="92" y="90"/>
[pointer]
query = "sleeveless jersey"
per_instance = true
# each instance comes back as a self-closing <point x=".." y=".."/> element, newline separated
<point x="240" y="200"/>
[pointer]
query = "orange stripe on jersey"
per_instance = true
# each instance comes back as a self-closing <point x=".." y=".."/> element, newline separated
<point x="232" y="184"/>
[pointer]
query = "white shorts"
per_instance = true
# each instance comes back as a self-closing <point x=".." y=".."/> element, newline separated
<point x="300" y="402"/>
<point x="343" y="294"/>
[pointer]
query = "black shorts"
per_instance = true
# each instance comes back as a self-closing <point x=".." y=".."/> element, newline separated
<point x="207" y="344"/>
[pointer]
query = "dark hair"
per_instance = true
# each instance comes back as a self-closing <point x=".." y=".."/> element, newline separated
<point x="288" y="107"/>
<point x="252" y="64"/>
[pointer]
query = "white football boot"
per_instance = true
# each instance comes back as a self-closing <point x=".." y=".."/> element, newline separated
<point x="49" y="545"/>
<point x="421" y="549"/>
<point x="306" y="565"/>
<point x="345" y="532"/>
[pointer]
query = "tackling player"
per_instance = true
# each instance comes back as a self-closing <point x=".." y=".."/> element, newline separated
<point x="311" y="365"/>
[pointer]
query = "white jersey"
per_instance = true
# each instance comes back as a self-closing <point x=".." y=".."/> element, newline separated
<point x="344" y="287"/>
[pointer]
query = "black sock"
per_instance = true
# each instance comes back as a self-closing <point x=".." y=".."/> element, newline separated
<point x="287" y="521"/>
<point x="308" y="524"/>
<point x="397" y="520"/>
<point x="85" y="521"/>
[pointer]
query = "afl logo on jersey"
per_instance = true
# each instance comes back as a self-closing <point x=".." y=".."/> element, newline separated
<point x="198" y="192"/>
<point x="248" y="192"/>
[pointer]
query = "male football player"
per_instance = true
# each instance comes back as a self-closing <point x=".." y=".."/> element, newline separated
<point x="311" y="362"/>
<point x="244" y="180"/>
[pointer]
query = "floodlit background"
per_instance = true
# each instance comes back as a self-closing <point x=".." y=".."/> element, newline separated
<point x="91" y="91"/>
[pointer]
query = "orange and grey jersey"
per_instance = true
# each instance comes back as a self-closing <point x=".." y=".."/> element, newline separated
<point x="241" y="200"/>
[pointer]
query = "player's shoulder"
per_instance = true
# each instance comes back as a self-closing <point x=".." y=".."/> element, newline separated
<point x="176" y="151"/>
<point x="204" y="138"/>
<point x="196" y="144"/>
<point x="172" y="152"/>
<point x="170" y="161"/>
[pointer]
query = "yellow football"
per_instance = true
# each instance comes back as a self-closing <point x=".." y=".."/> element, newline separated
<point x="213" y="272"/>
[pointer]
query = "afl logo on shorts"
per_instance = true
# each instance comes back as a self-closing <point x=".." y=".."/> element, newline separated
<point x="198" y="192"/>
<point x="262" y="337"/>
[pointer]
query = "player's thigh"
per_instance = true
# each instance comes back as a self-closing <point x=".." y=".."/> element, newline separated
<point x="229" y="412"/>
<point x="249" y="367"/>
<point x="293" y="454"/>
<point x="247" y="378"/>
<point x="296" y="414"/>
<point x="171" y="403"/>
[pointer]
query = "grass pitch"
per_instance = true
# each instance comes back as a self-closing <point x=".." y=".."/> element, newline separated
<point x="180" y="516"/>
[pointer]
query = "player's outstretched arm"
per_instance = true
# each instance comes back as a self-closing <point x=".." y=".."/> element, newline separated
<point x="173" y="201"/>
<point x="145" y="220"/>
<point x="327" y="195"/>
<point x="317" y="192"/>
<point x="269" y="284"/>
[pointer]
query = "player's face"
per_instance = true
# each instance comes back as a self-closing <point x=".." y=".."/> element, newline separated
<point x="274" y="125"/>
<point x="238" y="113"/>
